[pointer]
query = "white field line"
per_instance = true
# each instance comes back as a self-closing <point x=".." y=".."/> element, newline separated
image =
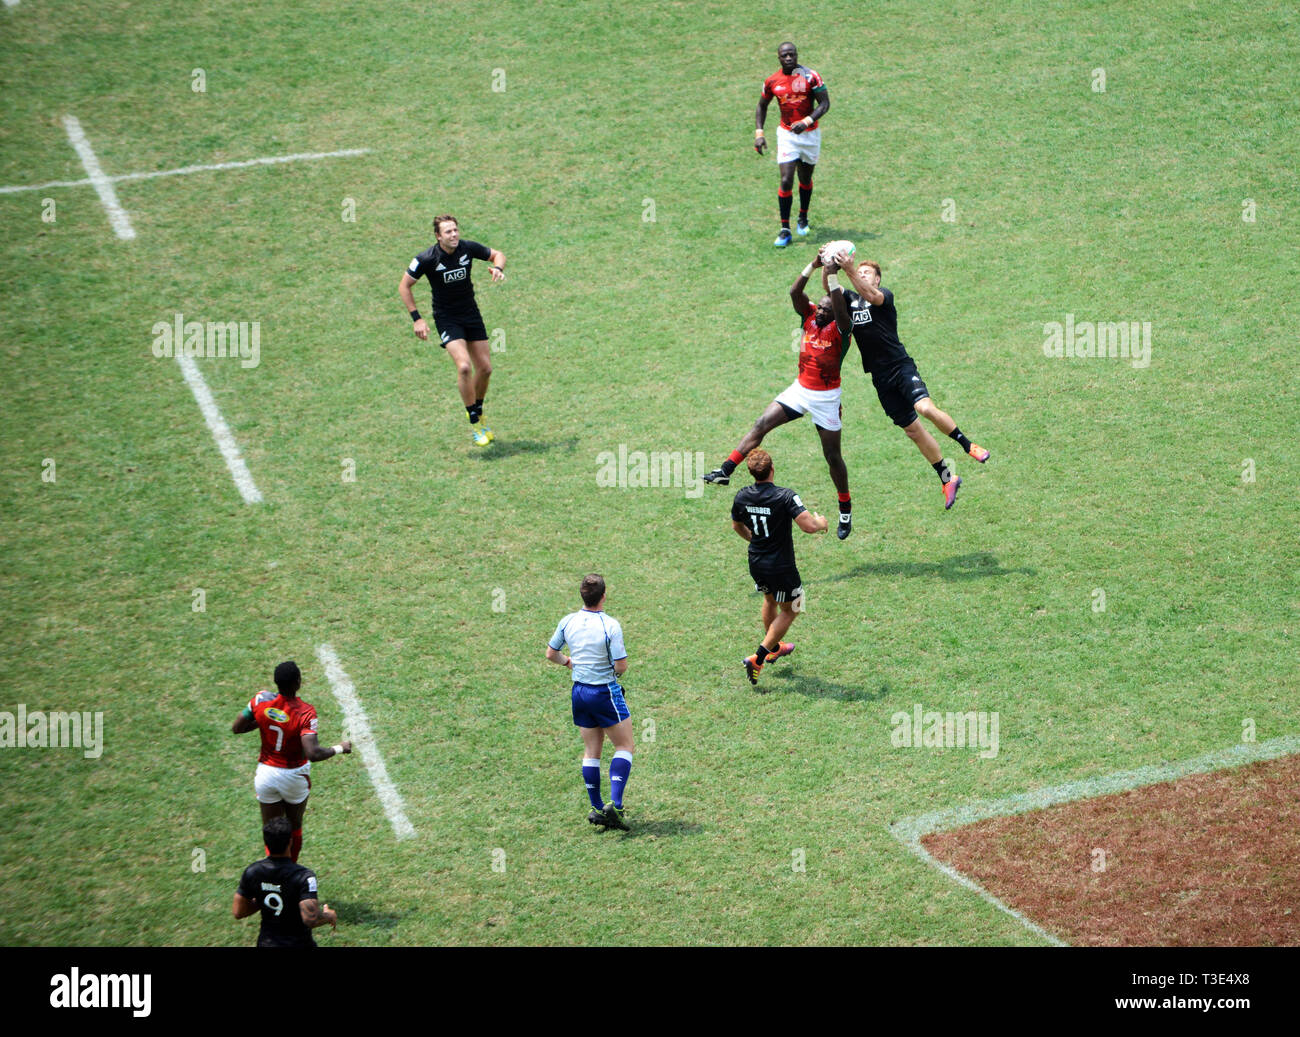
<point x="358" y="726"/>
<point x="910" y="831"/>
<point x="273" y="160"/>
<point x="220" y="430"/>
<point x="103" y="186"/>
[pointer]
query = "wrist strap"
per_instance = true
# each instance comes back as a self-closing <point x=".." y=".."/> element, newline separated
<point x="758" y="132"/>
<point x="415" y="315"/>
<point x="832" y="282"/>
<point x="338" y="750"/>
<point x="807" y="271"/>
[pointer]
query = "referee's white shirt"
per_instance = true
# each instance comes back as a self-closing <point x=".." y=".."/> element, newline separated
<point x="595" y="643"/>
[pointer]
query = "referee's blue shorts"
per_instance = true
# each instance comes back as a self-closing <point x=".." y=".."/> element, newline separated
<point x="598" y="705"/>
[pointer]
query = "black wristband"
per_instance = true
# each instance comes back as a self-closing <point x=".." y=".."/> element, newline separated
<point x="415" y="315"/>
<point x="501" y="268"/>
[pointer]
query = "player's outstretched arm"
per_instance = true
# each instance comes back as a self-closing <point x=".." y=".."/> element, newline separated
<point x="317" y="752"/>
<point x="839" y="306"/>
<point x="811" y="522"/>
<point x="873" y="295"/>
<point x="797" y="297"/>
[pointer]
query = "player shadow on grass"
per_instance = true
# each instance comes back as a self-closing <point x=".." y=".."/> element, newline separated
<point x="659" y="828"/>
<point x="960" y="567"/>
<point x="816" y="687"/>
<point x="511" y="448"/>
<point x="824" y="234"/>
<point x="358" y="912"/>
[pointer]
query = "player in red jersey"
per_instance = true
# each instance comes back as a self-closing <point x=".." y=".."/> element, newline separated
<point x="289" y="747"/>
<point x="804" y="100"/>
<point x="826" y="339"/>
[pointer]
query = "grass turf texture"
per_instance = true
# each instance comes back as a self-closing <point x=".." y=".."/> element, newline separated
<point x="665" y="334"/>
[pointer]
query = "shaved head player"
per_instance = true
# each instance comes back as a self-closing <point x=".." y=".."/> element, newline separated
<point x="816" y="391"/>
<point x="803" y="100"/>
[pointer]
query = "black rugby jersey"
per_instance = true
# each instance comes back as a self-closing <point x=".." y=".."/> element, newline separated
<point x="277" y="884"/>
<point x="769" y="511"/>
<point x="448" y="274"/>
<point x="875" y="329"/>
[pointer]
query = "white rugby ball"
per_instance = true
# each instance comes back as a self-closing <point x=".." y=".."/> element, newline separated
<point x="842" y="250"/>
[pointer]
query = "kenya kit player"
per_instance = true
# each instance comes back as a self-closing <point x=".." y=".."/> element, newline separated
<point x="803" y="99"/>
<point x="898" y="383"/>
<point x="455" y="313"/>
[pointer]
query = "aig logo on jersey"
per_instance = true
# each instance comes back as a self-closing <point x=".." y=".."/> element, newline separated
<point x="458" y="274"/>
<point x="862" y="316"/>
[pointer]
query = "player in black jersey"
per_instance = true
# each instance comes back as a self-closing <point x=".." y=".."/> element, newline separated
<point x="763" y="514"/>
<point x="284" y="892"/>
<point x="898" y="383"/>
<point x="455" y="313"/>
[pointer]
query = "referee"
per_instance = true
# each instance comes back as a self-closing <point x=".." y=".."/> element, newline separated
<point x="597" y="658"/>
<point x="455" y="313"/>
<point x="763" y="514"/>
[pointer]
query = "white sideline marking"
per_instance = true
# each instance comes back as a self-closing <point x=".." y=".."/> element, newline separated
<point x="103" y="186"/>
<point x="359" y="728"/>
<point x="273" y="160"/>
<point x="220" y="430"/>
<point x="910" y="831"/>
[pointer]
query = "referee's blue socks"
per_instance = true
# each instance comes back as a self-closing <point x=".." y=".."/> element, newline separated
<point x="591" y="778"/>
<point x="619" y="769"/>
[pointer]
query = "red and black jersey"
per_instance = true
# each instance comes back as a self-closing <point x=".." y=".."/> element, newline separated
<point x="794" y="93"/>
<point x="820" y="354"/>
<point x="282" y="722"/>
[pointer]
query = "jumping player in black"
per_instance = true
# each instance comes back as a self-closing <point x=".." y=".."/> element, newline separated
<point x="762" y="514"/>
<point x="455" y="313"/>
<point x="283" y="891"/>
<point x="898" y="383"/>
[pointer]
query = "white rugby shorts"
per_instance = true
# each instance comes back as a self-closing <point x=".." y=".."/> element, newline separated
<point x="290" y="784"/>
<point x="822" y="404"/>
<point x="806" y="146"/>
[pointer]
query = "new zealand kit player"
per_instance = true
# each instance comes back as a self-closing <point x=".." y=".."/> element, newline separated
<point x="815" y="391"/>
<point x="284" y="892"/>
<point x="898" y="383"/>
<point x="461" y="331"/>
<point x="763" y="515"/>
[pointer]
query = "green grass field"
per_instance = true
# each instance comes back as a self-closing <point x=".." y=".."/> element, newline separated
<point x="645" y="308"/>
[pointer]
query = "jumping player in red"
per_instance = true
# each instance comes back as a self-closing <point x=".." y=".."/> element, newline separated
<point x="803" y="99"/>
<point x="289" y="747"/>
<point x="826" y="339"/>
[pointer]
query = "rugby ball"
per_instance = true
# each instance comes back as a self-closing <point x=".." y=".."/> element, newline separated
<point x="843" y="250"/>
